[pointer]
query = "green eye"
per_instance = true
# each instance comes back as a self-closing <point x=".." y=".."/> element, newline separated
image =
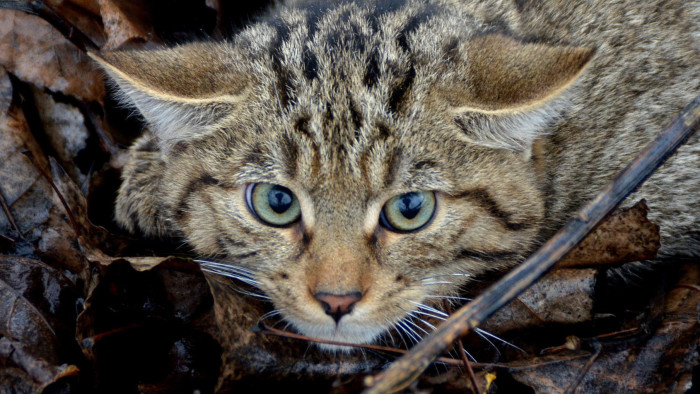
<point x="408" y="212"/>
<point x="274" y="205"/>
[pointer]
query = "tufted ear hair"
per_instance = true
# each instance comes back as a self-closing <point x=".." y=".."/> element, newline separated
<point x="504" y="92"/>
<point x="182" y="92"/>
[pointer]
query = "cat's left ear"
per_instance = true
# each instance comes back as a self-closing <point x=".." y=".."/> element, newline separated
<point x="182" y="92"/>
<point x="505" y="92"/>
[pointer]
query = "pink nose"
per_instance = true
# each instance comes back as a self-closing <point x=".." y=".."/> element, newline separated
<point x="337" y="306"/>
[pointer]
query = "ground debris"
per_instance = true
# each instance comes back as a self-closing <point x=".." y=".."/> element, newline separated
<point x="85" y="307"/>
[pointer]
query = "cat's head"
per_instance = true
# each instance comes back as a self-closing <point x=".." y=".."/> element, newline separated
<point x="355" y="167"/>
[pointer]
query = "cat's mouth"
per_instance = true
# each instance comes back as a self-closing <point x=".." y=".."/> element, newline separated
<point x="347" y="331"/>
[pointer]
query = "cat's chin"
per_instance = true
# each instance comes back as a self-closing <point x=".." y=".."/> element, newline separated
<point x="345" y="332"/>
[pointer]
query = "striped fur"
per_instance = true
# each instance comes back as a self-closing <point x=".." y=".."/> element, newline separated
<point x="513" y="112"/>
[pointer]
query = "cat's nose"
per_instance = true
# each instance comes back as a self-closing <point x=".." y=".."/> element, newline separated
<point x="337" y="306"/>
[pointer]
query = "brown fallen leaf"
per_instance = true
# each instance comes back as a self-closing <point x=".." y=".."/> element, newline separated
<point x="83" y="14"/>
<point x="35" y="52"/>
<point x="659" y="362"/>
<point x="37" y="322"/>
<point x="64" y="126"/>
<point x="150" y="328"/>
<point x="37" y="307"/>
<point x="22" y="372"/>
<point x="29" y="206"/>
<point x="623" y="237"/>
<point x="125" y="22"/>
<point x="564" y="296"/>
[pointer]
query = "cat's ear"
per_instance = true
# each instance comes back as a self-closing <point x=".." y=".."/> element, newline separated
<point x="507" y="91"/>
<point x="182" y="92"/>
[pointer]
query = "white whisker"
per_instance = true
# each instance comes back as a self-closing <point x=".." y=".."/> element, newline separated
<point x="432" y="327"/>
<point x="438" y="276"/>
<point x="415" y="338"/>
<point x="398" y="331"/>
<point x="478" y="330"/>
<point x="231" y="275"/>
<point x="485" y="338"/>
<point x="269" y="314"/>
<point x="429" y="309"/>
<point x="469" y="355"/>
<point x="446" y="297"/>
<point x="249" y="293"/>
<point x="224" y="266"/>
<point x="429" y="314"/>
<point x="411" y="322"/>
<point x="433" y="283"/>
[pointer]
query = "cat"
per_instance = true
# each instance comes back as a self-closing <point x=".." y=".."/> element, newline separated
<point x="359" y="162"/>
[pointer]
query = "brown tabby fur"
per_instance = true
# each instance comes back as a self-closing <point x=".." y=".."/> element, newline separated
<point x="513" y="112"/>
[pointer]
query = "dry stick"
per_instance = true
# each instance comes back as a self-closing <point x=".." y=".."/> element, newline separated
<point x="8" y="214"/>
<point x="468" y="366"/>
<point x="403" y="371"/>
<point x="572" y="387"/>
<point x="463" y="355"/>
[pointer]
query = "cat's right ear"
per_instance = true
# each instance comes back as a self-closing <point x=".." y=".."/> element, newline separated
<point x="182" y="92"/>
<point x="503" y="92"/>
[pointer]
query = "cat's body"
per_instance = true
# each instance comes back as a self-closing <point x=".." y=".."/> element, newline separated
<point x="512" y="113"/>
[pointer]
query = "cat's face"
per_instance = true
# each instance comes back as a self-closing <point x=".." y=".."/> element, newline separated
<point x="385" y="222"/>
<point x="353" y="179"/>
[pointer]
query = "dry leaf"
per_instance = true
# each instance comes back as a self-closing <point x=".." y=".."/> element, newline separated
<point x="623" y="237"/>
<point x="564" y="296"/>
<point x="35" y="52"/>
<point x="150" y="328"/>
<point x="37" y="315"/>
<point x="125" y="22"/>
<point x="64" y="126"/>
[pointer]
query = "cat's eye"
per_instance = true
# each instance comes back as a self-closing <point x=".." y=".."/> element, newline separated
<point x="408" y="212"/>
<point x="274" y="205"/>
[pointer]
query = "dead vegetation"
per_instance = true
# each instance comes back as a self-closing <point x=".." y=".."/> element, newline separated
<point x="84" y="307"/>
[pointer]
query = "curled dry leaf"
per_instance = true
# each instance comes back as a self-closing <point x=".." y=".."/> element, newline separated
<point x="37" y="318"/>
<point x="658" y="362"/>
<point x="564" y="296"/>
<point x="22" y="372"/>
<point x="83" y="14"/>
<point x="64" y="126"/>
<point x="31" y="209"/>
<point x="125" y="22"/>
<point x="35" y="52"/>
<point x="150" y="328"/>
<point x="623" y="237"/>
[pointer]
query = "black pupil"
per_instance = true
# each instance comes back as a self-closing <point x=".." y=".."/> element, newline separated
<point x="410" y="204"/>
<point x="280" y="199"/>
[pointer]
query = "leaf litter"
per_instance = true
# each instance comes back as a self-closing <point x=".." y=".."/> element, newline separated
<point x="86" y="307"/>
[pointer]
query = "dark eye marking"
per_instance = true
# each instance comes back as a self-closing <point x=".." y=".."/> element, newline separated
<point x="483" y="198"/>
<point x="487" y="256"/>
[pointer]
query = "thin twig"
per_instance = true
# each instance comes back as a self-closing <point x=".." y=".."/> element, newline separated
<point x="403" y="371"/>
<point x="572" y="387"/>
<point x="8" y="214"/>
<point x="463" y="355"/>
<point x="532" y="311"/>
<point x="90" y="342"/>
<point x="468" y="367"/>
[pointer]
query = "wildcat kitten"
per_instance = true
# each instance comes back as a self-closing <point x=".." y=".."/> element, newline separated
<point x="359" y="161"/>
